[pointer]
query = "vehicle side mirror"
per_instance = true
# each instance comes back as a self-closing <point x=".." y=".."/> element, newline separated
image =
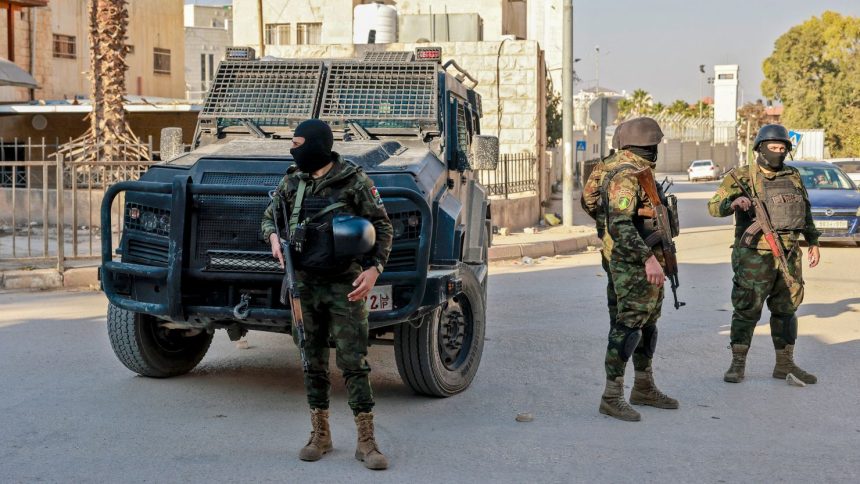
<point x="485" y="152"/>
<point x="171" y="145"/>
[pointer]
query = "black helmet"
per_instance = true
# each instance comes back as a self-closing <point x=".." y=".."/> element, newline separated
<point x="772" y="132"/>
<point x="353" y="236"/>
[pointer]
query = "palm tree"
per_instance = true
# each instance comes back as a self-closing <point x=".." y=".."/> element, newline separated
<point x="109" y="137"/>
<point x="657" y="109"/>
<point x="678" y="107"/>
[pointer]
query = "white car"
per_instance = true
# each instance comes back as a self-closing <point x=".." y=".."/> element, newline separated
<point x="704" y="170"/>
<point x="851" y="167"/>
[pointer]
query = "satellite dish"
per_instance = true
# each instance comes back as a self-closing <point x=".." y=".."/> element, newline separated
<point x="595" y="110"/>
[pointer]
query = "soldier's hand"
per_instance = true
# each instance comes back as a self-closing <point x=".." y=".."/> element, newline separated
<point x="363" y="284"/>
<point x="654" y="271"/>
<point x="814" y="256"/>
<point x="742" y="203"/>
<point x="275" y="241"/>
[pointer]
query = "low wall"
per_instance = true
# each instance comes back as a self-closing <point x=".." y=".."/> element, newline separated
<point x="516" y="212"/>
<point x="675" y="156"/>
<point x="87" y="203"/>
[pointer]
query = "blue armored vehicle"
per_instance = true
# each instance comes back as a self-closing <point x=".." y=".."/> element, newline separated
<point x="191" y="258"/>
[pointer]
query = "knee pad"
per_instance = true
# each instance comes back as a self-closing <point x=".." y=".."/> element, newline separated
<point x="625" y="340"/>
<point x="649" y="337"/>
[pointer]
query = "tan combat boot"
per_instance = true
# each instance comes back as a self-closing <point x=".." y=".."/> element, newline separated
<point x="785" y="365"/>
<point x="645" y="392"/>
<point x="366" y="450"/>
<point x="612" y="402"/>
<point x="320" y="441"/>
<point x="735" y="372"/>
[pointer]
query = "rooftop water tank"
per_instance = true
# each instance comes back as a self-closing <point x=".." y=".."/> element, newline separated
<point x="376" y="17"/>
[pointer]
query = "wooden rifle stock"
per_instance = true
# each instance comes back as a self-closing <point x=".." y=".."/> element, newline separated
<point x="661" y="217"/>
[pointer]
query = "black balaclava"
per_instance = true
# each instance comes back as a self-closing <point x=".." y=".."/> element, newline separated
<point x="647" y="152"/>
<point x="771" y="160"/>
<point x="315" y="152"/>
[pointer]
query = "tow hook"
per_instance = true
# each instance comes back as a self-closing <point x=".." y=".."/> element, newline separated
<point x="241" y="310"/>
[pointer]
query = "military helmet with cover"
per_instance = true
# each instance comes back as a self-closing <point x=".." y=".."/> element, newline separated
<point x="642" y="131"/>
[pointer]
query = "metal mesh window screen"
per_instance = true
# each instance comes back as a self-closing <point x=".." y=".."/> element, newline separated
<point x="381" y="94"/>
<point x="271" y="93"/>
<point x="374" y="56"/>
<point x="462" y="130"/>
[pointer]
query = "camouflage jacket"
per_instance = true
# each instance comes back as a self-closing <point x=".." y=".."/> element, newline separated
<point x="720" y="205"/>
<point x="591" y="195"/>
<point x="356" y="191"/>
<point x="625" y="198"/>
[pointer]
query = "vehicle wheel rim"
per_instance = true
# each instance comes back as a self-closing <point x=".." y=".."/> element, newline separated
<point x="456" y="329"/>
<point x="167" y="340"/>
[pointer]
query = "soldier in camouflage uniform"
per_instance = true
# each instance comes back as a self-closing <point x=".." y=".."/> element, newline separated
<point x="635" y="269"/>
<point x="757" y="276"/>
<point x="332" y="291"/>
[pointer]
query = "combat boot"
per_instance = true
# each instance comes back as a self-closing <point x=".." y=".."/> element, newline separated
<point x="320" y="441"/>
<point x="366" y="450"/>
<point x="612" y="402"/>
<point x="785" y="365"/>
<point x="735" y="372"/>
<point x="645" y="392"/>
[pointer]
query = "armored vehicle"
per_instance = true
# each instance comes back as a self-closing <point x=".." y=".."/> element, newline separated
<point x="191" y="258"/>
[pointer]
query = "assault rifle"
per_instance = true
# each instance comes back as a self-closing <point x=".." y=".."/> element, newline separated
<point x="762" y="221"/>
<point x="289" y="286"/>
<point x="664" y="229"/>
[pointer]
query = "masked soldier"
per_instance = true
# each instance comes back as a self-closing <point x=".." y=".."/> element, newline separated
<point x="757" y="276"/>
<point x="636" y="271"/>
<point x="318" y="188"/>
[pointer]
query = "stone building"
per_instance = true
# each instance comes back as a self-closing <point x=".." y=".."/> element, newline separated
<point x="48" y="38"/>
<point x="208" y="33"/>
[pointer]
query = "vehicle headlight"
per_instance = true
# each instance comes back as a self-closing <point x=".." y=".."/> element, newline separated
<point x="147" y="219"/>
<point x="399" y="228"/>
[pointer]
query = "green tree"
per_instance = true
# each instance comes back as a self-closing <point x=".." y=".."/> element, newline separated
<point x="678" y="107"/>
<point x="815" y="71"/>
<point x="657" y="109"/>
<point x="638" y="104"/>
<point x="554" y="116"/>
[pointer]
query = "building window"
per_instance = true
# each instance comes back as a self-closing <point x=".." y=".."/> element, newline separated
<point x="65" y="46"/>
<point x="726" y="76"/>
<point x="309" y="33"/>
<point x="161" y="61"/>
<point x="278" y="34"/>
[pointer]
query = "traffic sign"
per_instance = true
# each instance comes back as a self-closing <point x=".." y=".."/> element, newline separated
<point x="580" y="145"/>
<point x="795" y="137"/>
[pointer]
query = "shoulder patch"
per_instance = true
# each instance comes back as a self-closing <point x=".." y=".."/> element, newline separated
<point x="623" y="203"/>
<point x="375" y="194"/>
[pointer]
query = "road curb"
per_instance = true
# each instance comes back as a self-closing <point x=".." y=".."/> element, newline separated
<point x="46" y="279"/>
<point x="543" y="249"/>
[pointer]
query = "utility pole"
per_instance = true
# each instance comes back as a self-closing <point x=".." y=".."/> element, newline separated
<point x="567" y="113"/>
<point x="260" y="28"/>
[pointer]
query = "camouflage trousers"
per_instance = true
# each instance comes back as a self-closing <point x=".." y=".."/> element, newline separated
<point x="757" y="280"/>
<point x="634" y="330"/>
<point x="329" y="316"/>
<point x="611" y="298"/>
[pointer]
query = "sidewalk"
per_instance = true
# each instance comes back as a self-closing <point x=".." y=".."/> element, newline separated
<point x="548" y="241"/>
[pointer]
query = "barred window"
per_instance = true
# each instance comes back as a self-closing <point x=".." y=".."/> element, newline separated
<point x="161" y="61"/>
<point x="65" y="46"/>
<point x="309" y="33"/>
<point x="277" y="34"/>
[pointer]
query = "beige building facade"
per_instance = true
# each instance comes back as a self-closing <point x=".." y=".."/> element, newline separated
<point x="208" y="33"/>
<point x="60" y="50"/>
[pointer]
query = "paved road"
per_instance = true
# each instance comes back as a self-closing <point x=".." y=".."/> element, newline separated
<point x="71" y="412"/>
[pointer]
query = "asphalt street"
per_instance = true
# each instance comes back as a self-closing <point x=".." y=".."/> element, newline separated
<point x="70" y="412"/>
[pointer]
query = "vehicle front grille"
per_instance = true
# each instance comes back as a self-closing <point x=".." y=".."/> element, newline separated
<point x="241" y="261"/>
<point x="403" y="229"/>
<point x="228" y="226"/>
<point x="402" y="259"/>
<point x="147" y="251"/>
<point x="137" y="224"/>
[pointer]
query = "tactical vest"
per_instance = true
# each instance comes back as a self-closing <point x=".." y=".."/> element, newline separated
<point x="785" y="204"/>
<point x="311" y="234"/>
<point x="646" y="226"/>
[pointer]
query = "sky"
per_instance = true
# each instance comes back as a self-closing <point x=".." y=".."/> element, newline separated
<point x="658" y="45"/>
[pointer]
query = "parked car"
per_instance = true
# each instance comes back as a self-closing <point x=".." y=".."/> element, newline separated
<point x="851" y="167"/>
<point x="704" y="170"/>
<point x="834" y="198"/>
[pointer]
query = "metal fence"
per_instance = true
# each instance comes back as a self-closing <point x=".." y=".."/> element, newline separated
<point x="516" y="173"/>
<point x="50" y="206"/>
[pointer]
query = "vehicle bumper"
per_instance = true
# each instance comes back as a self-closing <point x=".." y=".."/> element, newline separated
<point x="427" y="287"/>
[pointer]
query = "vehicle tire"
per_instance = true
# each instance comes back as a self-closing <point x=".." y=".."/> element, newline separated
<point x="149" y="350"/>
<point x="439" y="354"/>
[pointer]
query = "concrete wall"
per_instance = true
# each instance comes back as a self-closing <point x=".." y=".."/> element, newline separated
<point x="43" y="53"/>
<point x="675" y="156"/>
<point x="88" y="205"/>
<point x="515" y="212"/>
<point x="201" y="39"/>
